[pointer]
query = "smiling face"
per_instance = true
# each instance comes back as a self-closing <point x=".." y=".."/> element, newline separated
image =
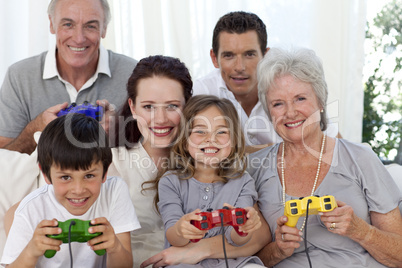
<point x="209" y="141"/>
<point x="294" y="109"/>
<point x="157" y="109"/>
<point x="79" y="27"/>
<point x="237" y="59"/>
<point x="77" y="190"/>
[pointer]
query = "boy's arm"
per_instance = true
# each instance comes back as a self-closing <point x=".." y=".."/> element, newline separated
<point x="39" y="243"/>
<point x="118" y="246"/>
<point x="24" y="260"/>
<point x="121" y="255"/>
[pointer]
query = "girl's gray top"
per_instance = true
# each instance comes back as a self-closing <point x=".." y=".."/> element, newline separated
<point x="356" y="177"/>
<point x="178" y="197"/>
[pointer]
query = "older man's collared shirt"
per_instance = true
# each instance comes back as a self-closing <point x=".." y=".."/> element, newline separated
<point x="50" y="71"/>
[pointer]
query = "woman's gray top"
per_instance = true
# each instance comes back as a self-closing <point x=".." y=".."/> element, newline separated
<point x="356" y="177"/>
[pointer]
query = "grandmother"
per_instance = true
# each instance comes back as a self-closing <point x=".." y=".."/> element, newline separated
<point x="365" y="230"/>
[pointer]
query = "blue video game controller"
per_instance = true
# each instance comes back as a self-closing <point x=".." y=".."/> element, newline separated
<point x="86" y="108"/>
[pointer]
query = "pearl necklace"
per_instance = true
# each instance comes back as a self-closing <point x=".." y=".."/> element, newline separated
<point x="283" y="174"/>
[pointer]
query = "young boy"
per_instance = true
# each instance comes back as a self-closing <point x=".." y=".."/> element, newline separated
<point x="74" y="157"/>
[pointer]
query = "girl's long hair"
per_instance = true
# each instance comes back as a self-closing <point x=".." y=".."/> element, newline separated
<point x="180" y="161"/>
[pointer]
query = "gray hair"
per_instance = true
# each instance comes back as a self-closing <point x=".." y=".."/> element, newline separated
<point x="303" y="64"/>
<point x="105" y="5"/>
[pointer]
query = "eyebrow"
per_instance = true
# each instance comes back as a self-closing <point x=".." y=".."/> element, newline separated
<point x="199" y="125"/>
<point x="247" y="51"/>
<point x="169" y="101"/>
<point x="296" y="96"/>
<point x="204" y="125"/>
<point x="66" y="20"/>
<point x="71" y="20"/>
<point x="92" y="21"/>
<point x="251" y="50"/>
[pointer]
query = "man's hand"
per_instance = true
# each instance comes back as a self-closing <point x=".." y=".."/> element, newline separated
<point x="109" y="115"/>
<point x="25" y="142"/>
<point x="47" y="116"/>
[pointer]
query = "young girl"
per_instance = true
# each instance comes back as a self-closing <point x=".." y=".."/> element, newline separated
<point x="206" y="173"/>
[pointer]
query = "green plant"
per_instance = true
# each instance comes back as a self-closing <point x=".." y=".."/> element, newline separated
<point x="382" y="122"/>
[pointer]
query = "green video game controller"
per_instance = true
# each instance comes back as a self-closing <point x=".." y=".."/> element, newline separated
<point x="79" y="233"/>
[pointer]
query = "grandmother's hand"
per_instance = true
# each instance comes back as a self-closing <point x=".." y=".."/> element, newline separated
<point x="287" y="238"/>
<point x="343" y="221"/>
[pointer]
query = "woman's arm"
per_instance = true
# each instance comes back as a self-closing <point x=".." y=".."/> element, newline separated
<point x="382" y="239"/>
<point x="287" y="239"/>
<point x="9" y="217"/>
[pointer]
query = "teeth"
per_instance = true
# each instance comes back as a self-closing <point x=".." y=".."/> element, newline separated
<point x="295" y="124"/>
<point x="210" y="151"/>
<point x="77" y="48"/>
<point x="78" y="200"/>
<point x="161" y="131"/>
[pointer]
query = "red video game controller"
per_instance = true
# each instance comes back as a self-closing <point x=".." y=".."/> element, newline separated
<point x="233" y="217"/>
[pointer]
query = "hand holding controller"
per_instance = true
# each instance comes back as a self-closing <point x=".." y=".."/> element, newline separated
<point x="234" y="217"/>
<point x="79" y="233"/>
<point x="86" y="108"/>
<point x="297" y="208"/>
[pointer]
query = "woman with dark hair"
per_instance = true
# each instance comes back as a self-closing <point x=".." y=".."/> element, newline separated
<point x="148" y="125"/>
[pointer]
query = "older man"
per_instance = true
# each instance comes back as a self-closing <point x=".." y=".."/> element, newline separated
<point x="78" y="69"/>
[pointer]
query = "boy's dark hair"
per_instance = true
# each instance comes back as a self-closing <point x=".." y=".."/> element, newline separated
<point x="240" y="22"/>
<point x="73" y="141"/>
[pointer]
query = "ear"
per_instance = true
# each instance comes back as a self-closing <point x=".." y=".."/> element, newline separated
<point x="104" y="32"/>
<point x="104" y="178"/>
<point x="46" y="178"/>
<point x="266" y="50"/>
<point x="214" y="59"/>
<point x="52" y="31"/>
<point x="132" y="108"/>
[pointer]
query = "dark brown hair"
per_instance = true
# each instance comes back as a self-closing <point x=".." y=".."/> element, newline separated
<point x="240" y="22"/>
<point x="73" y="141"/>
<point x="162" y="66"/>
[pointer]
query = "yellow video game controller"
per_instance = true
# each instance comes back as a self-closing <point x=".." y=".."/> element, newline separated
<point x="294" y="209"/>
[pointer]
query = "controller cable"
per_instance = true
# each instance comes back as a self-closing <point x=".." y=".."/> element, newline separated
<point x="305" y="233"/>
<point x="223" y="240"/>
<point x="69" y="242"/>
